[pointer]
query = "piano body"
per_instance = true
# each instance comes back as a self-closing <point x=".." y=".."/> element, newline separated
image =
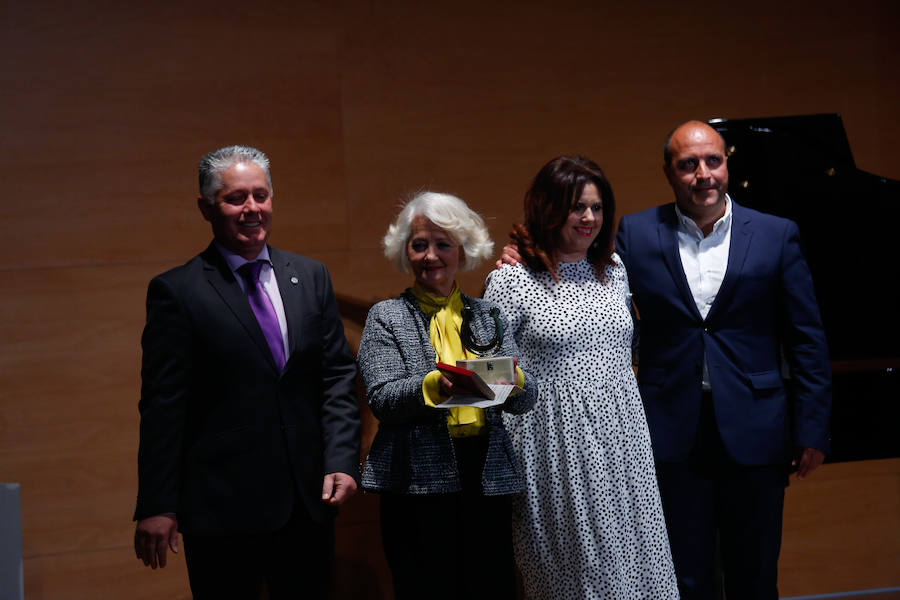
<point x="801" y="167"/>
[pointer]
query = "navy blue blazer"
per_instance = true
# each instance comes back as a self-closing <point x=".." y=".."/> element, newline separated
<point x="228" y="443"/>
<point x="765" y="310"/>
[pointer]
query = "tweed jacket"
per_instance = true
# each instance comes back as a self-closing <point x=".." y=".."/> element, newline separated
<point x="412" y="453"/>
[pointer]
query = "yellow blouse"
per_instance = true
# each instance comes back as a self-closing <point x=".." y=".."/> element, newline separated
<point x="444" y="325"/>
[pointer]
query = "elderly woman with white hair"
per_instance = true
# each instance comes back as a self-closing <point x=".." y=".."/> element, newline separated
<point x="445" y="476"/>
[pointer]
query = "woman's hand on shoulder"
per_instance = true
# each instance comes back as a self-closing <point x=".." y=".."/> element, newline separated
<point x="509" y="256"/>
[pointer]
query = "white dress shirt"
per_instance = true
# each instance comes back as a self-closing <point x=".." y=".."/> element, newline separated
<point x="704" y="260"/>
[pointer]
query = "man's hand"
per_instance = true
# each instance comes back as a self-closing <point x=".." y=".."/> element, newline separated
<point x="509" y="256"/>
<point x="151" y="538"/>
<point x="337" y="488"/>
<point x="807" y="460"/>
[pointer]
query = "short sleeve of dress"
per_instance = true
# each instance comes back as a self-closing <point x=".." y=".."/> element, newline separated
<point x="619" y="275"/>
<point x="503" y="287"/>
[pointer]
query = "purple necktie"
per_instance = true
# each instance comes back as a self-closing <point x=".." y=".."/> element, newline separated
<point x="263" y="309"/>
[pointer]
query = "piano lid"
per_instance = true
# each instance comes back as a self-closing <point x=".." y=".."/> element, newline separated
<point x="801" y="167"/>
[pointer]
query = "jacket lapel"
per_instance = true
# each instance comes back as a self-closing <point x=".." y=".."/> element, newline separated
<point x="292" y="286"/>
<point x="668" y="241"/>
<point x="741" y="234"/>
<point x="223" y="281"/>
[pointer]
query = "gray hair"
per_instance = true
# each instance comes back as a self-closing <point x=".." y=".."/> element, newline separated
<point x="218" y="161"/>
<point x="451" y="214"/>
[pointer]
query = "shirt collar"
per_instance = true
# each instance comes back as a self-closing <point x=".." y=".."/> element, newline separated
<point x="235" y="261"/>
<point x="688" y="226"/>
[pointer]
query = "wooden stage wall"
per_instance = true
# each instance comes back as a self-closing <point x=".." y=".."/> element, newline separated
<point x="106" y="107"/>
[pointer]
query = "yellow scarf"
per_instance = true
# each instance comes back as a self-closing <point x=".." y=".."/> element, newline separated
<point x="445" y="321"/>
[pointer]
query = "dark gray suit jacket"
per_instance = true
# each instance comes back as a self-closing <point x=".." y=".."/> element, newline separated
<point x="228" y="443"/>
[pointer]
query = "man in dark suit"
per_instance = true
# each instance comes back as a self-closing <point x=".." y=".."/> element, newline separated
<point x="725" y="298"/>
<point x="249" y="422"/>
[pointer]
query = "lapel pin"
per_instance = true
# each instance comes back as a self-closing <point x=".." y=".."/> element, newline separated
<point x="294" y="280"/>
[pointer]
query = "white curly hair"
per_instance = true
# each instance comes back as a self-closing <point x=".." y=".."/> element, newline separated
<point x="451" y="214"/>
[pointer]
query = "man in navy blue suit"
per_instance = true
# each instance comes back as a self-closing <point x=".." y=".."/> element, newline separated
<point x="725" y="300"/>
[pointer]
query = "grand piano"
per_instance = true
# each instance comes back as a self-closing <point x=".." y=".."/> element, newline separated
<point x="801" y="167"/>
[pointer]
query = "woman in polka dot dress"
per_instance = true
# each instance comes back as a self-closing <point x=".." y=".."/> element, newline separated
<point x="590" y="524"/>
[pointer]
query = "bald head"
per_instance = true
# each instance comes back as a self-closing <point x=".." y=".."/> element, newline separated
<point x="667" y="152"/>
<point x="696" y="167"/>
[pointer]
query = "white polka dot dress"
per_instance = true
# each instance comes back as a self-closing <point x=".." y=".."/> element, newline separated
<point x="590" y="524"/>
